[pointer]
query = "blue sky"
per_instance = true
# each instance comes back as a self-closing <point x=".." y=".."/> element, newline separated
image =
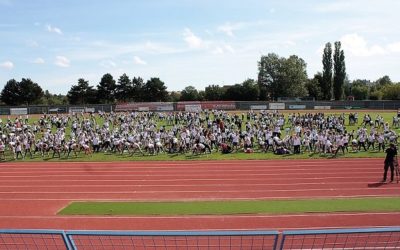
<point x="188" y="42"/>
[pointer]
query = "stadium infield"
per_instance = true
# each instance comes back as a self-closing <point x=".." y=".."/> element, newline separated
<point x="31" y="194"/>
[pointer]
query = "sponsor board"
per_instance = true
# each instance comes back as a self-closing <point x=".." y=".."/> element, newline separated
<point x="277" y="105"/>
<point x="297" y="106"/>
<point x="18" y="111"/>
<point x="258" y="107"/>
<point x="143" y="109"/>
<point x="322" y="107"/>
<point x="193" y="108"/>
<point x="145" y="106"/>
<point x="165" y="108"/>
<point x="77" y="110"/>
<point x="89" y="110"/>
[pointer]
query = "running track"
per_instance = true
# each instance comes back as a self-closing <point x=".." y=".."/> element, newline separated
<point x="32" y="193"/>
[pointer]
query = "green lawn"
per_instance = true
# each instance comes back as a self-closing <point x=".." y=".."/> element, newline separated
<point x="214" y="156"/>
<point x="233" y="207"/>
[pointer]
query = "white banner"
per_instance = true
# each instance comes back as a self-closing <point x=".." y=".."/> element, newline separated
<point x="322" y="107"/>
<point x="258" y="107"/>
<point x="165" y="108"/>
<point x="193" y="108"/>
<point x="277" y="105"/>
<point x="77" y="110"/>
<point x="89" y="110"/>
<point x="143" y="108"/>
<point x="297" y="106"/>
<point x="18" y="111"/>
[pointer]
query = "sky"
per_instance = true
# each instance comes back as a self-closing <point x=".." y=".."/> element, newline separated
<point x="190" y="42"/>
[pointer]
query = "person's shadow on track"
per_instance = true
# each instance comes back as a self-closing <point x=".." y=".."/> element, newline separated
<point x="377" y="184"/>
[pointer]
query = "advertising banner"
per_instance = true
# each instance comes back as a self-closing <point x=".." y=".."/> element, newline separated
<point x="18" y="111"/>
<point x="277" y="105"/>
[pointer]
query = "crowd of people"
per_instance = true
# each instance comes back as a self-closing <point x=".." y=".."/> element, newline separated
<point x="152" y="133"/>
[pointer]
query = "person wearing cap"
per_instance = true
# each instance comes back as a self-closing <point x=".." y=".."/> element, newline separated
<point x="391" y="157"/>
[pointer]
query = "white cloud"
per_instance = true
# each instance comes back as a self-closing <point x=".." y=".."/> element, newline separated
<point x="192" y="40"/>
<point x="52" y="29"/>
<point x="228" y="29"/>
<point x="38" y="60"/>
<point x="7" y="65"/>
<point x="108" y="64"/>
<point x="394" y="47"/>
<point x="222" y="49"/>
<point x="32" y="44"/>
<point x="62" y="61"/>
<point x="336" y="6"/>
<point x="138" y="60"/>
<point x="358" y="46"/>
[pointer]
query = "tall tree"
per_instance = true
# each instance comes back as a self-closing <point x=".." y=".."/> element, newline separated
<point x="31" y="92"/>
<point x="189" y="93"/>
<point x="155" y="91"/>
<point x="281" y="77"/>
<point x="137" y="89"/>
<point x="11" y="94"/>
<point x="339" y="71"/>
<point x="294" y="77"/>
<point x="123" y="88"/>
<point x="214" y="93"/>
<point x="106" y="89"/>
<point x="250" y="90"/>
<point x="314" y="87"/>
<point x="327" y="65"/>
<point x="82" y="93"/>
<point x="269" y="75"/>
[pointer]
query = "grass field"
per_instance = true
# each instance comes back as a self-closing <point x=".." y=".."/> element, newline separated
<point x="233" y="207"/>
<point x="103" y="156"/>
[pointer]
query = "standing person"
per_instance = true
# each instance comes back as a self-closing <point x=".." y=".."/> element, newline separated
<point x="391" y="154"/>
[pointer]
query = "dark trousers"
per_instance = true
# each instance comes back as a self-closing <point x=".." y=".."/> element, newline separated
<point x="387" y="165"/>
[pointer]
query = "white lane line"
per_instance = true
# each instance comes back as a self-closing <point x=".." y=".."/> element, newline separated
<point x="193" y="191"/>
<point x="202" y="199"/>
<point x="181" y="185"/>
<point x="259" y="216"/>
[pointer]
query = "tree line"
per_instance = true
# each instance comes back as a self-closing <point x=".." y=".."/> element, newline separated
<point x="277" y="77"/>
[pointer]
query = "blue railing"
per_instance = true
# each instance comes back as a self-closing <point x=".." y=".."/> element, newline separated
<point x="367" y="238"/>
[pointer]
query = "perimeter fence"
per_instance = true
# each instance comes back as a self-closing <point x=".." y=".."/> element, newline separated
<point x="205" y="105"/>
<point x="361" y="238"/>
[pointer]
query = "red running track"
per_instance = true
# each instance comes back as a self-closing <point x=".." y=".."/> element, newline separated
<point x="31" y="194"/>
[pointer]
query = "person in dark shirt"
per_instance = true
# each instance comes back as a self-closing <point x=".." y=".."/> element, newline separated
<point x="391" y="158"/>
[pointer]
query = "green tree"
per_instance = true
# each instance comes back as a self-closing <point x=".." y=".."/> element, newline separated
<point x="189" y="93"/>
<point x="124" y="89"/>
<point x="391" y="92"/>
<point x="106" y="89"/>
<point x="269" y="76"/>
<point x="137" y="89"/>
<point x="383" y="81"/>
<point x="11" y="94"/>
<point x="250" y="90"/>
<point x="234" y="93"/>
<point x="313" y="87"/>
<point x="53" y="99"/>
<point x="295" y="77"/>
<point x="339" y="71"/>
<point x="174" y="96"/>
<point x="155" y="91"/>
<point x="281" y="77"/>
<point x="82" y="93"/>
<point x="359" y="89"/>
<point x="214" y="93"/>
<point x="327" y="65"/>
<point x="31" y="92"/>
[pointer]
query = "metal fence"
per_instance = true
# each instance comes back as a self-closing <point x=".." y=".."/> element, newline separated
<point x="365" y="238"/>
<point x="190" y="106"/>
